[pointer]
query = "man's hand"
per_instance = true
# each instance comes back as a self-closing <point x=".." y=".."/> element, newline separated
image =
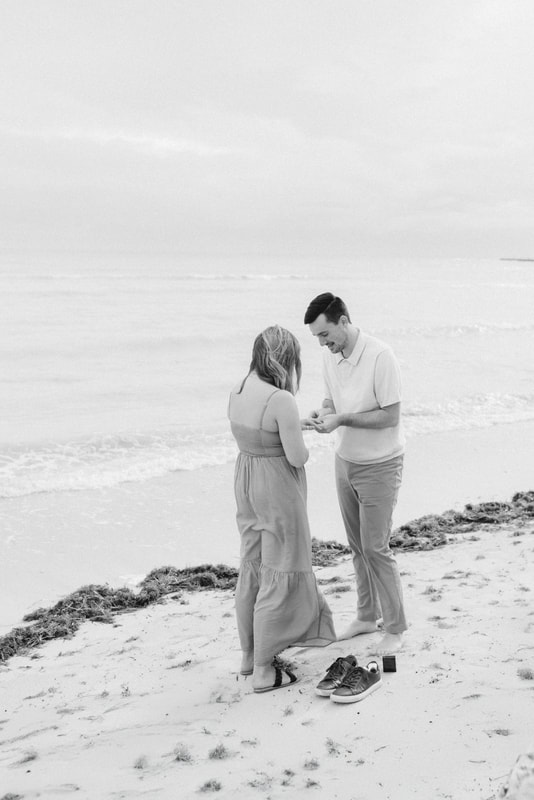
<point x="326" y="424"/>
<point x="309" y="423"/>
<point x="313" y="421"/>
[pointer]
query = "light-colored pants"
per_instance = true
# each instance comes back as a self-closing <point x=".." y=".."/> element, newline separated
<point x="367" y="495"/>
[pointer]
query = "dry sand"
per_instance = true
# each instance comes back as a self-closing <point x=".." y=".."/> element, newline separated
<point x="153" y="706"/>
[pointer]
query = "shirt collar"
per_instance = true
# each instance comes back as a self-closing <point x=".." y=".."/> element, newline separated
<point x="357" y="351"/>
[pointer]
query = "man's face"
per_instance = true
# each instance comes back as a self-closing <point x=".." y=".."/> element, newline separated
<point x="334" y="336"/>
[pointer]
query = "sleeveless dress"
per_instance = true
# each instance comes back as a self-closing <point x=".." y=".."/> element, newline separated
<point x="278" y="603"/>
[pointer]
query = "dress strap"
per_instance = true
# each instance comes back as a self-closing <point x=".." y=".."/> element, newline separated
<point x="265" y="406"/>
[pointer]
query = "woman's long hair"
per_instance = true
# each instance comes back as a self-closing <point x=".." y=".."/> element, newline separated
<point x="276" y="358"/>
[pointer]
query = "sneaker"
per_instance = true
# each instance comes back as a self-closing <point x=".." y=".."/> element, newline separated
<point x="357" y="684"/>
<point x="335" y="675"/>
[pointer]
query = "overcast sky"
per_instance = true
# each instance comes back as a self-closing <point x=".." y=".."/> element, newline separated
<point x="291" y="127"/>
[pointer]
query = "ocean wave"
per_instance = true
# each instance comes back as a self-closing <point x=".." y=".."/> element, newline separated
<point x="247" y="276"/>
<point x="468" y="413"/>
<point x="455" y="331"/>
<point x="106" y="461"/>
<point x="151" y="277"/>
<point x="175" y="343"/>
<point x="100" y="462"/>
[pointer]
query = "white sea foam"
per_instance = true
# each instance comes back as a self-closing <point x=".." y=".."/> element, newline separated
<point x="455" y="331"/>
<point x="151" y="349"/>
<point x="64" y="277"/>
<point x="468" y="413"/>
<point x="99" y="462"/>
<point x="102" y="462"/>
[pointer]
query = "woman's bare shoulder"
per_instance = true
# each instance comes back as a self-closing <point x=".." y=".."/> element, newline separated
<point x="283" y="400"/>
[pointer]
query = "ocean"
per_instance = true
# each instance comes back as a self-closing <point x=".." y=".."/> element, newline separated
<point x="118" y="368"/>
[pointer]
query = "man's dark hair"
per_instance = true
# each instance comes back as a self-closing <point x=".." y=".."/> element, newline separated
<point x="328" y="304"/>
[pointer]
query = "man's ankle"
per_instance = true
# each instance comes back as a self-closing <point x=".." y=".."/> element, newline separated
<point x="358" y="627"/>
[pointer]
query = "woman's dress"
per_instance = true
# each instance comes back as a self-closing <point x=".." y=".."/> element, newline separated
<point x="278" y="603"/>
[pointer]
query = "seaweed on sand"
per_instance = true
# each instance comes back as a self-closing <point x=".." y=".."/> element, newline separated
<point x="325" y="553"/>
<point x="431" y="531"/>
<point x="102" y="603"/>
<point x="165" y="580"/>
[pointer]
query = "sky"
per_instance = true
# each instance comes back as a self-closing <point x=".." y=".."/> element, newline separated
<point x="324" y="128"/>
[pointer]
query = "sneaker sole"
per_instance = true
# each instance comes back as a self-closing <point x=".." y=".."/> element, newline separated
<point x="355" y="698"/>
<point x="323" y="692"/>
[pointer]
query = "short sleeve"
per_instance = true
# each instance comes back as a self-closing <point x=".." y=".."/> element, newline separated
<point x="388" y="388"/>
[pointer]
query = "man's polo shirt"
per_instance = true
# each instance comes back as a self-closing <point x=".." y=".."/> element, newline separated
<point x="367" y="380"/>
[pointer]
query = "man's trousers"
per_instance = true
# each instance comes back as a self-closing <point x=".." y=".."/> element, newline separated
<point x="367" y="495"/>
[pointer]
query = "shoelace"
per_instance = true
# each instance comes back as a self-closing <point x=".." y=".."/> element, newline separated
<point x="354" y="676"/>
<point x="338" y="668"/>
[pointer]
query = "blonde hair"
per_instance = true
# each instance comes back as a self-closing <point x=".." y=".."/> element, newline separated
<point x="276" y="358"/>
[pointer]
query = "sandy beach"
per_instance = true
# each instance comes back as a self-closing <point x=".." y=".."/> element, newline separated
<point x="152" y="705"/>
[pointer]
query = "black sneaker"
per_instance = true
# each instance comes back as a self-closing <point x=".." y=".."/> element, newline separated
<point x="334" y="675"/>
<point x="357" y="684"/>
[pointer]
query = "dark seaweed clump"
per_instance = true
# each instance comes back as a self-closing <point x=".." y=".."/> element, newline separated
<point x="165" y="580"/>
<point x="326" y="553"/>
<point x="102" y="603"/>
<point x="431" y="531"/>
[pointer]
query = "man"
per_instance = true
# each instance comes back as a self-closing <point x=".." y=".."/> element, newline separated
<point x="362" y="402"/>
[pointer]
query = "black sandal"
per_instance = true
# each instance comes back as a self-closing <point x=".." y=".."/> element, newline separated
<point x="279" y="683"/>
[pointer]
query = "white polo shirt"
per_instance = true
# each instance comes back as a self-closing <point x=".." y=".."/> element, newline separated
<point x="367" y="380"/>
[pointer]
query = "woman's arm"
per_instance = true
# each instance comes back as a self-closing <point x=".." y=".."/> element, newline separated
<point x="285" y="412"/>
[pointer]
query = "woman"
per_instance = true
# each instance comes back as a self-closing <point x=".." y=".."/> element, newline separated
<point x="278" y="603"/>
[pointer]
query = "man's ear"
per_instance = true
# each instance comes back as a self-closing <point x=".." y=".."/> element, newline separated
<point x="343" y="320"/>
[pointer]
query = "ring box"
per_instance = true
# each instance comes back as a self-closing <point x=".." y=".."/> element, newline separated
<point x="389" y="664"/>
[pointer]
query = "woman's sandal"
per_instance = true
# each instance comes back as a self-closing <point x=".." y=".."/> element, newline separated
<point x="248" y="657"/>
<point x="279" y="683"/>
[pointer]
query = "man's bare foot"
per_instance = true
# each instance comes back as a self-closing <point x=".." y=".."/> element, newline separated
<point x="390" y="643"/>
<point x="357" y="627"/>
<point x="247" y="663"/>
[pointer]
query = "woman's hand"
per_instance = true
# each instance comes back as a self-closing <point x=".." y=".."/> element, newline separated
<point x="307" y="424"/>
